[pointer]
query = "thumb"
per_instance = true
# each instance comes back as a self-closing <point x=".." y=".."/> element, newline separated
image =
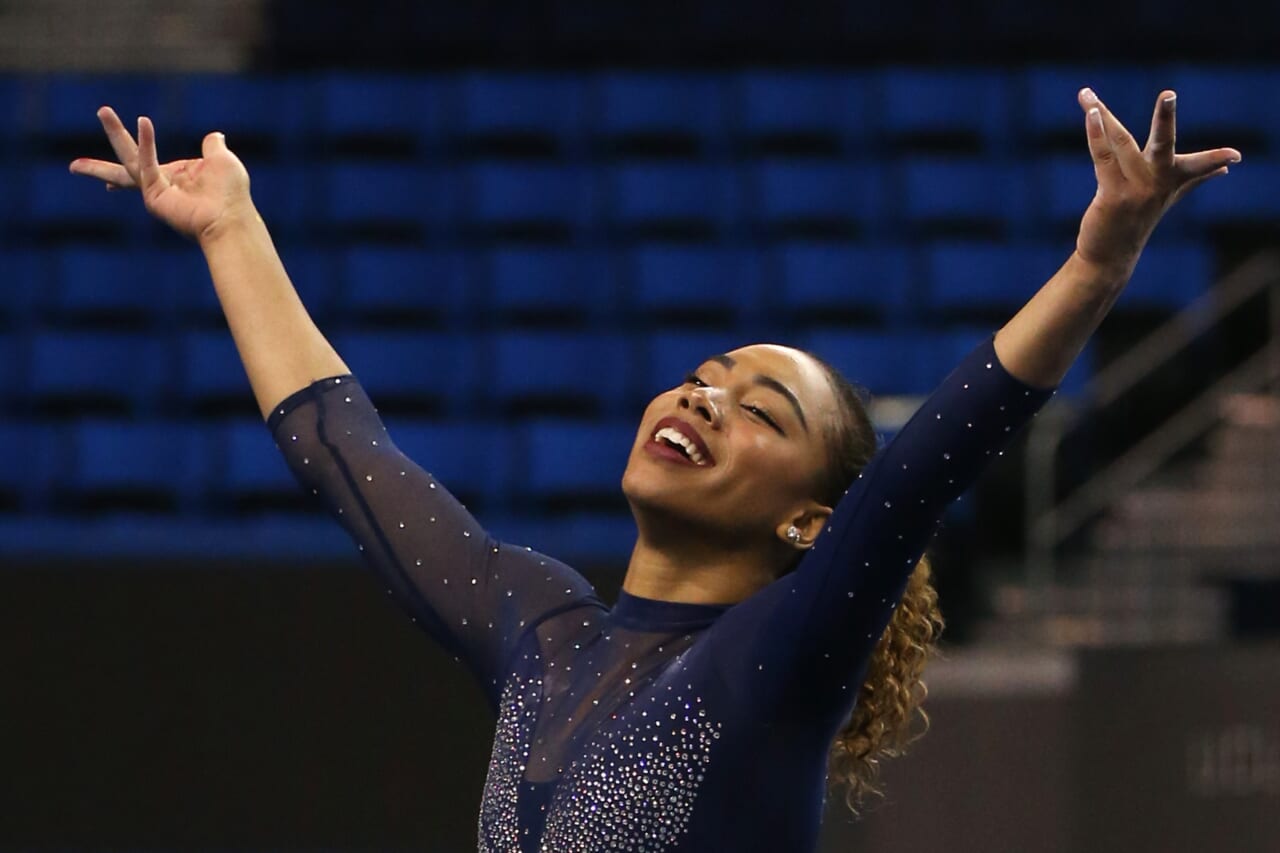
<point x="214" y="143"/>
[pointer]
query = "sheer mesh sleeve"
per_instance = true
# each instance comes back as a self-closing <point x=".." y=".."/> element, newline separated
<point x="803" y="642"/>
<point x="473" y="595"/>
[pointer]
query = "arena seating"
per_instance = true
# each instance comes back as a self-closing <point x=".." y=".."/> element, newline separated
<point x="514" y="263"/>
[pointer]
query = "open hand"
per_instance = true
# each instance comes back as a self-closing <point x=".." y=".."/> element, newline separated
<point x="1136" y="187"/>
<point x="192" y="196"/>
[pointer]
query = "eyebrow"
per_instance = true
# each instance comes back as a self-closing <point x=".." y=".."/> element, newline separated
<point x="769" y="382"/>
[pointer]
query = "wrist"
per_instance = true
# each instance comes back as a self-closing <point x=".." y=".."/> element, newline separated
<point x="1109" y="273"/>
<point x="231" y="225"/>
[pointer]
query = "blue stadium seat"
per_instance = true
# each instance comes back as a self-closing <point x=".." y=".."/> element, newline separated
<point x="914" y="363"/>
<point x="260" y="108"/>
<point x="962" y="193"/>
<point x="1245" y="196"/>
<point x="210" y="371"/>
<point x="582" y="372"/>
<point x="667" y="356"/>
<point x="103" y="369"/>
<point x="576" y="459"/>
<point x="410" y="109"/>
<point x="685" y="111"/>
<point x="545" y="109"/>
<point x="398" y="200"/>
<point x="660" y="196"/>
<point x="26" y="284"/>
<point x="975" y="277"/>
<point x="13" y="363"/>
<point x="513" y="195"/>
<point x="27" y="473"/>
<point x="110" y="284"/>
<point x="696" y="285"/>
<point x="1218" y="106"/>
<point x="251" y="467"/>
<point x="1067" y="185"/>
<point x="394" y="285"/>
<point x="156" y="460"/>
<point x="412" y="370"/>
<point x="69" y="105"/>
<point x="313" y="272"/>
<point x="1169" y="276"/>
<point x="1049" y="111"/>
<point x="967" y="106"/>
<point x="820" y="281"/>
<point x="288" y="197"/>
<point x="14" y="103"/>
<point x="885" y="363"/>
<point x="819" y="111"/>
<point x="57" y="199"/>
<point x="817" y="194"/>
<point x="566" y="285"/>
<point x="473" y="459"/>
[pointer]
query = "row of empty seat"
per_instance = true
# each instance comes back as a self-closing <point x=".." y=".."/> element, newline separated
<point x="512" y="371"/>
<point x="794" y="284"/>
<point x="513" y="263"/>
<point x="759" y="200"/>
<point x="990" y="109"/>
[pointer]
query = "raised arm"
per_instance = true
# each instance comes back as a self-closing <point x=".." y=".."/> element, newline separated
<point x="475" y="596"/>
<point x="208" y="200"/>
<point x="802" y="643"/>
<point x="1135" y="188"/>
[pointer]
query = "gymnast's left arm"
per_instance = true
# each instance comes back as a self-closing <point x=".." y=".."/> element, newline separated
<point x="825" y="617"/>
<point x="1135" y="188"/>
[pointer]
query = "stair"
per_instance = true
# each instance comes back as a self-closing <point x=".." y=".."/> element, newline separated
<point x="1162" y="559"/>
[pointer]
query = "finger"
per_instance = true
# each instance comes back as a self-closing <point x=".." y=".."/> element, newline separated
<point x="112" y="173"/>
<point x="1125" y="146"/>
<point x="1204" y="162"/>
<point x="148" y="165"/>
<point x="1160" y="141"/>
<point x="214" y="143"/>
<point x="121" y="141"/>
<point x="1105" y="164"/>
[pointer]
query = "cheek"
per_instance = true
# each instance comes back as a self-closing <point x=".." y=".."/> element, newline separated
<point x="767" y="467"/>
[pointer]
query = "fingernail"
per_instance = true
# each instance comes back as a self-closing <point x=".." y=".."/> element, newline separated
<point x="1095" y="118"/>
<point x="1169" y="102"/>
<point x="1235" y="159"/>
<point x="1089" y="96"/>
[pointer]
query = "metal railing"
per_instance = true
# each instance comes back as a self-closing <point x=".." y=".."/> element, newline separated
<point x="1050" y="519"/>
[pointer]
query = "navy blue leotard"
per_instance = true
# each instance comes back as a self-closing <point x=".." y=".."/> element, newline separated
<point x="653" y="725"/>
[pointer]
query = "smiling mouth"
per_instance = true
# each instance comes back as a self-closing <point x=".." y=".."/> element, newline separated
<point x="675" y="439"/>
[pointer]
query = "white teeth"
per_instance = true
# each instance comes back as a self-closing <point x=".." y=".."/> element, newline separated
<point x="676" y="437"/>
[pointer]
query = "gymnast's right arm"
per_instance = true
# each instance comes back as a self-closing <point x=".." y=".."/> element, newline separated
<point x="473" y="595"/>
<point x="208" y="200"/>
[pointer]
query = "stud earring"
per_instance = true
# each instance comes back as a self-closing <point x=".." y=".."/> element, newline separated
<point x="793" y="535"/>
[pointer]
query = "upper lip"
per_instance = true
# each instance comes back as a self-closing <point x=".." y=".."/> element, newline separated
<point x="689" y="432"/>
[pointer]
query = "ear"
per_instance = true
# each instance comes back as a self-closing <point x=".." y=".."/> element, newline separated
<point x="809" y="520"/>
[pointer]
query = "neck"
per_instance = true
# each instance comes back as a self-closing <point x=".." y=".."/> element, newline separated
<point x="686" y="565"/>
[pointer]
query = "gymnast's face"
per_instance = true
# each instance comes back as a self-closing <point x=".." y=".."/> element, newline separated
<point x="738" y="448"/>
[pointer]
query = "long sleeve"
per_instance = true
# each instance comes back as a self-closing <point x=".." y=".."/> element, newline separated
<point x="473" y="595"/>
<point x="803" y="642"/>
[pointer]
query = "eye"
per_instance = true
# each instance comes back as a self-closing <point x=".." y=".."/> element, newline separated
<point x="694" y="379"/>
<point x="764" y="416"/>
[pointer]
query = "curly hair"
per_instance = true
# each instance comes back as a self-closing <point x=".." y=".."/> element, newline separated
<point x="883" y="721"/>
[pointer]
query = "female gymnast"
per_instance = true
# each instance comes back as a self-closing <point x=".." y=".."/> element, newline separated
<point x="777" y="612"/>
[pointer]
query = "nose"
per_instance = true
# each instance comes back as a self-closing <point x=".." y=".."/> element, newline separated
<point x="702" y="402"/>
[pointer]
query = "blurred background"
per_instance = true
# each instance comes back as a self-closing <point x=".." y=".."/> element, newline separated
<point x="516" y="224"/>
